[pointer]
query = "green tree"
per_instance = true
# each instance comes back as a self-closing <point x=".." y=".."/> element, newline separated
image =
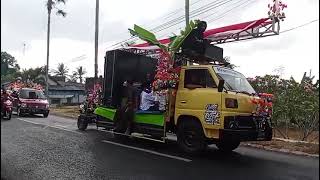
<point x="79" y="73"/>
<point x="73" y="77"/>
<point x="9" y="67"/>
<point x="295" y="105"/>
<point x="8" y="64"/>
<point x="62" y="70"/>
<point x="32" y="73"/>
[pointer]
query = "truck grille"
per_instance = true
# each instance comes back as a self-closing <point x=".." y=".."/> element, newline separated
<point x="241" y="122"/>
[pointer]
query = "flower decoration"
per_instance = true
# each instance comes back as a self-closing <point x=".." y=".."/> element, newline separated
<point x="276" y="10"/>
<point x="264" y="104"/>
<point x="166" y="76"/>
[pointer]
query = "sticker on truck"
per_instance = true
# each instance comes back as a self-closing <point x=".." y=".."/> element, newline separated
<point x="211" y="114"/>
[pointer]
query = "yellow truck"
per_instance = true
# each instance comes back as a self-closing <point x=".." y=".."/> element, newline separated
<point x="211" y="105"/>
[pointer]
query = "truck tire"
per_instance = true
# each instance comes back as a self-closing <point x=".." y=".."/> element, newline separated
<point x="228" y="146"/>
<point x="19" y="113"/>
<point x="45" y="115"/>
<point x="7" y="115"/>
<point x="82" y="123"/>
<point x="190" y="137"/>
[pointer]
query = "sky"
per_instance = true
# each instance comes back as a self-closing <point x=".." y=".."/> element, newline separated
<point x="72" y="38"/>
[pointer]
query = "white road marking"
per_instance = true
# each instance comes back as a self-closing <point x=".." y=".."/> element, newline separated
<point x="148" y="151"/>
<point x="56" y="126"/>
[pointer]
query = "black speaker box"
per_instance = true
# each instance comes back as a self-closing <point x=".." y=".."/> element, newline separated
<point x="121" y="66"/>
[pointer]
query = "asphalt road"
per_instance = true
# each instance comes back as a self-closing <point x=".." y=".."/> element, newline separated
<point x="52" y="148"/>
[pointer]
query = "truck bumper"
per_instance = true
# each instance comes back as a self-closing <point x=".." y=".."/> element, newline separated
<point x="246" y="135"/>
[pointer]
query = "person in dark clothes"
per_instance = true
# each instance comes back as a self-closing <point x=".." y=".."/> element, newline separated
<point x="195" y="41"/>
<point x="125" y="114"/>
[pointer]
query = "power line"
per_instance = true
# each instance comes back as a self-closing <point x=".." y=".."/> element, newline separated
<point x="193" y="13"/>
<point x="180" y="19"/>
<point x="219" y="16"/>
<point x="227" y="12"/>
<point x="162" y="17"/>
<point x="302" y="25"/>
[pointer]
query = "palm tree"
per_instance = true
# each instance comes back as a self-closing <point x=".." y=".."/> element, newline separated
<point x="50" y="5"/>
<point x="80" y="72"/>
<point x="73" y="77"/>
<point x="62" y="70"/>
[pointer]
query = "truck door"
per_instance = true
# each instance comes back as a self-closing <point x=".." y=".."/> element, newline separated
<point x="198" y="96"/>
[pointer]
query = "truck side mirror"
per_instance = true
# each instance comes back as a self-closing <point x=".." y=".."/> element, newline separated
<point x="220" y="85"/>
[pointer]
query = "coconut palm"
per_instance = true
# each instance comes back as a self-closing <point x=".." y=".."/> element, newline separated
<point x="62" y="70"/>
<point x="52" y="4"/>
<point x="80" y="72"/>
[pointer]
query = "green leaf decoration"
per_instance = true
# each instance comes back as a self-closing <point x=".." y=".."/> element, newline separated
<point x="175" y="45"/>
<point x="146" y="36"/>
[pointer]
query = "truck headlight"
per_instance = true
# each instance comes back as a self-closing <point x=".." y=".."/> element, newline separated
<point x="23" y="105"/>
<point x="231" y="103"/>
<point x="47" y="106"/>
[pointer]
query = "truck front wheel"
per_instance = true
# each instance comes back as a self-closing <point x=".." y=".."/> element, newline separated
<point x="82" y="123"/>
<point x="190" y="137"/>
<point x="228" y="146"/>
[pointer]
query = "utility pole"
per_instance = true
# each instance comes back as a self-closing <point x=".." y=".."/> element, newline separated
<point x="96" y="41"/>
<point x="24" y="49"/>
<point x="187" y="12"/>
<point x="187" y="17"/>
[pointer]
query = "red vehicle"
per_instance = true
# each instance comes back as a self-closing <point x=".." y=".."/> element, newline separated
<point x="6" y="106"/>
<point x="30" y="101"/>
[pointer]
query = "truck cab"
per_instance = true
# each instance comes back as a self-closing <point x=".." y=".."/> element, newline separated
<point x="218" y="101"/>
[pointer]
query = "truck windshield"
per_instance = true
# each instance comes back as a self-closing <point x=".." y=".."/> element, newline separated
<point x="31" y="94"/>
<point x="234" y="81"/>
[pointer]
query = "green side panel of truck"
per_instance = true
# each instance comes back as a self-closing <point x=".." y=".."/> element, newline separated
<point x="152" y="119"/>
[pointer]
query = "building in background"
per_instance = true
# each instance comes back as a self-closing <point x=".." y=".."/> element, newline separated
<point x="62" y="92"/>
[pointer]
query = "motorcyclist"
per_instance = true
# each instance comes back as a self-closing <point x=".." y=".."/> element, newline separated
<point x="4" y="95"/>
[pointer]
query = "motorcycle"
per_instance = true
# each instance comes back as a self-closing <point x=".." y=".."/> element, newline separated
<point x="6" y="109"/>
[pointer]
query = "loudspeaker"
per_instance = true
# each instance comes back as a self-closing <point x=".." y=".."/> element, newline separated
<point x="214" y="52"/>
<point x="121" y="66"/>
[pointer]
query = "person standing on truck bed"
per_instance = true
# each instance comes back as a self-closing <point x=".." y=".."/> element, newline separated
<point x="125" y="113"/>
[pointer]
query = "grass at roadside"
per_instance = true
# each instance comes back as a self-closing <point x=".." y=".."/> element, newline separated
<point x="309" y="148"/>
<point x="66" y="111"/>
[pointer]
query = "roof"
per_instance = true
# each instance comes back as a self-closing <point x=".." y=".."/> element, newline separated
<point x="60" y="96"/>
<point x="67" y="88"/>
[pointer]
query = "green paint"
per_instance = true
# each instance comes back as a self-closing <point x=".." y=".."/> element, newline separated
<point x="105" y="112"/>
<point x="152" y="119"/>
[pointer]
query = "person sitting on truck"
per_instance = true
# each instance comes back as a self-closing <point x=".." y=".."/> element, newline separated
<point x="161" y="99"/>
<point x="148" y="101"/>
<point x="195" y="41"/>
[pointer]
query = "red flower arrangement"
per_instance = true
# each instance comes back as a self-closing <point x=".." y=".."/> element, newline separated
<point x="166" y="76"/>
<point x="264" y="104"/>
<point x="18" y="85"/>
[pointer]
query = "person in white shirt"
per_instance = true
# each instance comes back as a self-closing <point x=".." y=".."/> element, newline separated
<point x="161" y="99"/>
<point x="148" y="100"/>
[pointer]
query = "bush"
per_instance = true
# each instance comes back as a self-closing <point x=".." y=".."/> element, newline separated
<point x="296" y="104"/>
